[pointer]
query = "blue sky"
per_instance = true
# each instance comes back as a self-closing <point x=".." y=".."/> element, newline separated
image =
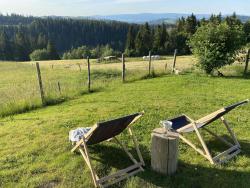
<point x="107" y="7"/>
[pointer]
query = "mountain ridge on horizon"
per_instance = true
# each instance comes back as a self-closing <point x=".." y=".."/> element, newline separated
<point x="155" y="18"/>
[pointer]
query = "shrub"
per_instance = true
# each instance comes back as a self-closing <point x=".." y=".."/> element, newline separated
<point x="40" y="54"/>
<point x="77" y="53"/>
<point x="216" y="45"/>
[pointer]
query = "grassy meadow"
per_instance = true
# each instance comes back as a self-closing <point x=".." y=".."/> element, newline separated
<point x="19" y="90"/>
<point x="35" y="151"/>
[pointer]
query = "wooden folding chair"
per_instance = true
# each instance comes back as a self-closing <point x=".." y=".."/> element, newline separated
<point x="106" y="131"/>
<point x="184" y="124"/>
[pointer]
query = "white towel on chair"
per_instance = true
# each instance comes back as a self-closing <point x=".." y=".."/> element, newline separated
<point x="77" y="134"/>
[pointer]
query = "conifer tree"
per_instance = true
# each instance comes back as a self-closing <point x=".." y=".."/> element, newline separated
<point x="53" y="55"/>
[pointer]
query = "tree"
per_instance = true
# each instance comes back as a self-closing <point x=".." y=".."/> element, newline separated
<point x="40" y="54"/>
<point x="216" y="45"/>
<point x="53" y="55"/>
<point x="5" y="47"/>
<point x="143" y="41"/>
<point x="78" y="53"/>
<point x="191" y="24"/>
<point x="247" y="30"/>
<point x="160" y="37"/>
<point x="41" y="41"/>
<point x="21" y="51"/>
<point x="130" y="42"/>
<point x="216" y="19"/>
<point x="233" y="20"/>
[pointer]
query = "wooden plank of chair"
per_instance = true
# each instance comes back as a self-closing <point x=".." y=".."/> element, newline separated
<point x="201" y="120"/>
<point x="77" y="145"/>
<point x="89" y="133"/>
<point x="219" y="137"/>
<point x="119" y="173"/>
<point x="193" y="146"/>
<point x="226" y="152"/>
<point x="210" y="116"/>
<point x="126" y="150"/>
<point x="122" y="177"/>
<point x="229" y="156"/>
<point x="136" y="146"/>
<point x="203" y="144"/>
<point x="90" y="164"/>
<point x="230" y="131"/>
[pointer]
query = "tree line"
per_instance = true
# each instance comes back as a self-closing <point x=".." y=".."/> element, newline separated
<point x="160" y="40"/>
<point x="24" y="38"/>
<point x="19" y="38"/>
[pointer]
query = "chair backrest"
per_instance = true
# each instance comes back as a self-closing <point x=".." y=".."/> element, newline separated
<point x="108" y="129"/>
<point x="211" y="117"/>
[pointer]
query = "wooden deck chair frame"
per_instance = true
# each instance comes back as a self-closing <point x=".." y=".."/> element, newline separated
<point x="222" y="157"/>
<point x="121" y="174"/>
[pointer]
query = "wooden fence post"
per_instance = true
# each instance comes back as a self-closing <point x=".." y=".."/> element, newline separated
<point x="247" y="60"/>
<point x="79" y="65"/>
<point x="123" y="68"/>
<point x="175" y="53"/>
<point x="40" y="83"/>
<point x="88" y="74"/>
<point x="149" y="64"/>
<point x="59" y="87"/>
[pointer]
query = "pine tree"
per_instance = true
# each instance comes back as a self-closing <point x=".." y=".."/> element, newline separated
<point x="157" y="39"/>
<point x="5" y="48"/>
<point x="41" y="41"/>
<point x="53" y="55"/>
<point x="143" y="41"/>
<point x="22" y="47"/>
<point x="191" y="24"/>
<point x="130" y="42"/>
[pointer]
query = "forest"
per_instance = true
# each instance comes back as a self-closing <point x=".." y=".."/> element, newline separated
<point x="34" y="38"/>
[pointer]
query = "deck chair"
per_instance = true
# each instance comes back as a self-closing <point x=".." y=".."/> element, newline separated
<point x="184" y="124"/>
<point x="106" y="131"/>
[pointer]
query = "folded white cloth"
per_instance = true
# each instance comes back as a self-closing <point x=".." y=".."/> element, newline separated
<point x="77" y="134"/>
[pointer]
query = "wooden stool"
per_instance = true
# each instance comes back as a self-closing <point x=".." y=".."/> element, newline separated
<point x="164" y="151"/>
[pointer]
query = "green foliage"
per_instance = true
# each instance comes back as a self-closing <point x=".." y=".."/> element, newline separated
<point x="77" y="53"/>
<point x="130" y="43"/>
<point x="216" y="45"/>
<point x="143" y="41"/>
<point x="84" y="51"/>
<point x="5" y="48"/>
<point x="247" y="30"/>
<point x="160" y="37"/>
<point x="40" y="54"/>
<point x="53" y="55"/>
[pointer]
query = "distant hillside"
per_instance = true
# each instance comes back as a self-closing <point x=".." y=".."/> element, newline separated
<point x="156" y="18"/>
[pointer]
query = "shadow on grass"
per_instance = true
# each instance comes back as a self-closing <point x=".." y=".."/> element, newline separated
<point x="49" y="101"/>
<point x="187" y="175"/>
<point x="146" y="77"/>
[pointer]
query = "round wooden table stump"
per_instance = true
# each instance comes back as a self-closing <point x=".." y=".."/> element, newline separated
<point x="164" y="151"/>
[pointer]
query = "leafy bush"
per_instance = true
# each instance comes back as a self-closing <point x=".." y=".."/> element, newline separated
<point x="216" y="45"/>
<point x="84" y="51"/>
<point x="40" y="54"/>
<point x="77" y="53"/>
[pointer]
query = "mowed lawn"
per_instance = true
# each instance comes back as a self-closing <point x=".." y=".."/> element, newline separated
<point x="35" y="151"/>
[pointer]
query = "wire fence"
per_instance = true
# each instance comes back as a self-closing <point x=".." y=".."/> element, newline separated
<point x="66" y="79"/>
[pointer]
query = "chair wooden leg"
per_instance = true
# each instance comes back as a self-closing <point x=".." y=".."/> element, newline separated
<point x="127" y="152"/>
<point x="203" y="144"/>
<point x="193" y="146"/>
<point x="218" y="137"/>
<point x="88" y="161"/>
<point x="136" y="146"/>
<point x="230" y="131"/>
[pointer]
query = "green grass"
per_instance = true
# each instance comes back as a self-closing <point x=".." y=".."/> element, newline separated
<point x="19" y="90"/>
<point x="35" y="151"/>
